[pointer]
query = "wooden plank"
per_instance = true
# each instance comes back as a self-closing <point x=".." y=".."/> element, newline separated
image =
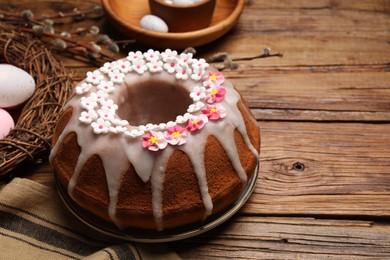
<point x="323" y="169"/>
<point x="332" y="91"/>
<point x="319" y="115"/>
<point x="289" y="238"/>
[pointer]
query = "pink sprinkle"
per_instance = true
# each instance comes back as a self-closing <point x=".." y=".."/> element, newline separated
<point x="155" y="66"/>
<point x="183" y="72"/>
<point x="101" y="127"/>
<point x="172" y="64"/>
<point x="87" y="117"/>
<point x="138" y="66"/>
<point x="123" y="66"/>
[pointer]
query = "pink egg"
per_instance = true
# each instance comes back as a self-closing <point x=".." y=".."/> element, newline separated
<point x="16" y="86"/>
<point x="6" y="123"/>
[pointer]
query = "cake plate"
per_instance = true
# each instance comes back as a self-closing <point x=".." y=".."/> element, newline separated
<point x="147" y="236"/>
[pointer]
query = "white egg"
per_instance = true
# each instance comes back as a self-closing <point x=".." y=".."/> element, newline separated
<point x="182" y="2"/>
<point x="153" y="23"/>
<point x="16" y="86"/>
<point x="6" y="123"/>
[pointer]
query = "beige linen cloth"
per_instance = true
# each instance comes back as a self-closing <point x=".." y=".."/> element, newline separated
<point x="34" y="224"/>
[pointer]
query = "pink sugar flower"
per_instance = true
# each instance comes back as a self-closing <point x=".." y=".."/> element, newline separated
<point x="197" y="122"/>
<point x="176" y="135"/>
<point x="214" y="112"/>
<point x="213" y="79"/>
<point x="154" y="141"/>
<point x="215" y="94"/>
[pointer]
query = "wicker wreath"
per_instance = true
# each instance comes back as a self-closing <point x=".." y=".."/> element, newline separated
<point x="30" y="140"/>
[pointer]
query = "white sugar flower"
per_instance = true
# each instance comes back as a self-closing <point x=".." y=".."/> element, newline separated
<point x="108" y="66"/>
<point x="139" y="66"/>
<point x="151" y="126"/>
<point x="83" y="88"/>
<point x="123" y="66"/>
<point x="199" y="64"/>
<point x="87" y="116"/>
<point x="195" y="107"/>
<point x="170" y="65"/>
<point x="101" y="126"/>
<point x="106" y="86"/>
<point x="183" y="71"/>
<point x="152" y="55"/>
<point x="109" y="104"/>
<point x="106" y="113"/>
<point x="134" y="133"/>
<point x="162" y="126"/>
<point x="134" y="56"/>
<point x="168" y="54"/>
<point x="119" y="122"/>
<point x="99" y="96"/>
<point x="88" y="103"/>
<point x="117" y="129"/>
<point x="94" y="77"/>
<point x="197" y="74"/>
<point x="116" y="76"/>
<point x="198" y="93"/>
<point x="155" y="66"/>
<point x="185" y="58"/>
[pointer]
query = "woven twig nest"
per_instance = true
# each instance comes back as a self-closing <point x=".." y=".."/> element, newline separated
<point x="30" y="140"/>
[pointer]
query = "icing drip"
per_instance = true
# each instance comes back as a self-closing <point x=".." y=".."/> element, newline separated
<point x="159" y="168"/>
<point x="152" y="165"/>
<point x="196" y="154"/>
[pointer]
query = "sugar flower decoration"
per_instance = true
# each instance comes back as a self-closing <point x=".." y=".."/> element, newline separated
<point x="99" y="96"/>
<point x="88" y="116"/>
<point x="106" y="86"/>
<point x="154" y="141"/>
<point x="123" y="66"/>
<point x="214" y="112"/>
<point x="108" y="66"/>
<point x="94" y="77"/>
<point x="176" y="135"/>
<point x="139" y="66"/>
<point x="182" y="71"/>
<point x="213" y="79"/>
<point x="134" y="56"/>
<point x="109" y="104"/>
<point x="152" y="55"/>
<point x="100" y="126"/>
<point x="196" y="122"/>
<point x="185" y="58"/>
<point x="106" y="113"/>
<point x="215" y="94"/>
<point x="155" y="66"/>
<point x="83" y="88"/>
<point x="167" y="54"/>
<point x="116" y="76"/>
<point x="88" y="103"/>
<point x="198" y="93"/>
<point x="170" y="65"/>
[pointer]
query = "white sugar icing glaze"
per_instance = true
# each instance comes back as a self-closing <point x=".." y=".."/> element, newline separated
<point x="127" y="144"/>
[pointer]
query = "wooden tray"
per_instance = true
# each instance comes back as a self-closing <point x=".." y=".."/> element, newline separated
<point x="125" y="16"/>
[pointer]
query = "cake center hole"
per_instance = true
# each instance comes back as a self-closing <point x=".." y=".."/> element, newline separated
<point x="153" y="101"/>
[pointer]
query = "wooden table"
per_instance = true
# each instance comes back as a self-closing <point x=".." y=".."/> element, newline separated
<point x="324" y="112"/>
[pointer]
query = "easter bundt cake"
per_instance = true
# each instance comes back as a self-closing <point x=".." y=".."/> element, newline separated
<point x="154" y="141"/>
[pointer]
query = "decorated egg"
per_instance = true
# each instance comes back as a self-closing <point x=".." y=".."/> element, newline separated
<point x="16" y="86"/>
<point x="153" y="23"/>
<point x="6" y="123"/>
